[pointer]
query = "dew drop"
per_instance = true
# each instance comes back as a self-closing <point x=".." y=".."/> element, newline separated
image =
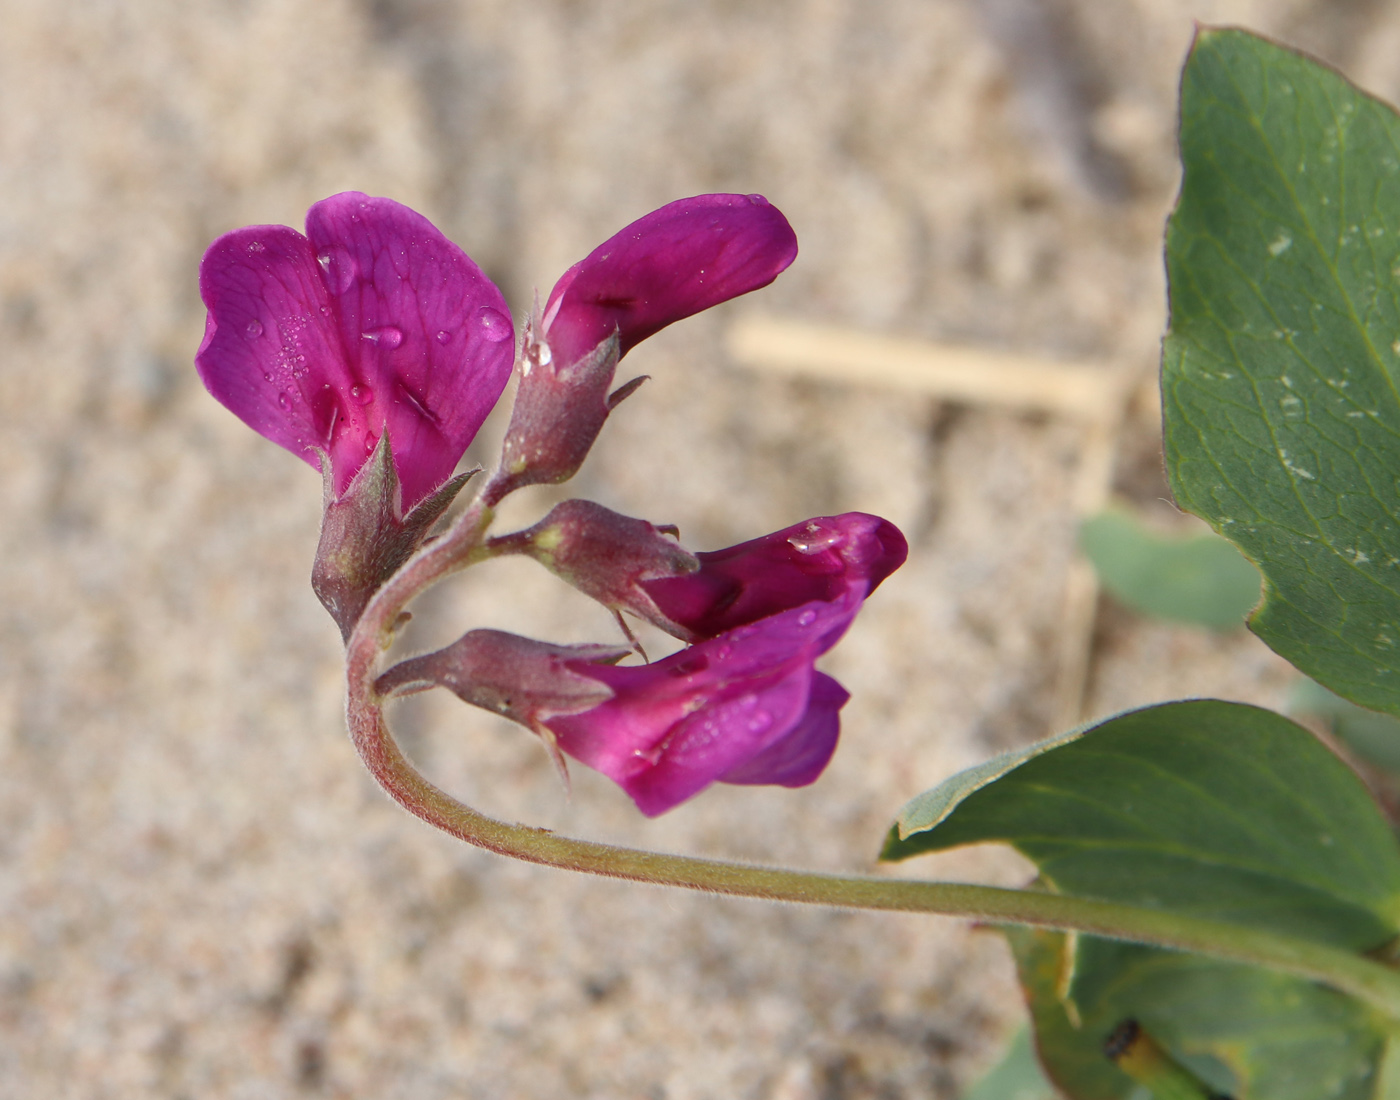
<point x="339" y="268"/>
<point x="387" y="337"/>
<point x="815" y="537"/>
<point x="758" y="200"/>
<point x="361" y="395"/>
<point x="370" y="444"/>
<point x="760" y="721"/>
<point x="255" y="246"/>
<point x="267" y="376"/>
<point x="494" y="324"/>
<point x="443" y="336"/>
<point x="254" y="329"/>
<point x="807" y="618"/>
<point x="723" y="651"/>
<point x="282" y="400"/>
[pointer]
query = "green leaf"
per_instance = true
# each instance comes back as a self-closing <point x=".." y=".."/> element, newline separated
<point x="1213" y="809"/>
<point x="1017" y="1076"/>
<point x="1199" y="579"/>
<point x="1243" y="1031"/>
<point x="1071" y="1053"/>
<point x="1388" y="1088"/>
<point x="1219" y="810"/>
<point x="1280" y="397"/>
<point x="1374" y="737"/>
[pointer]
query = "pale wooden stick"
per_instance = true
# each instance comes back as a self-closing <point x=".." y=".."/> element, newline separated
<point x="951" y="372"/>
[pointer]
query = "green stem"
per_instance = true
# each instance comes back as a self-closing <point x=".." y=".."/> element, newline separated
<point x="1368" y="981"/>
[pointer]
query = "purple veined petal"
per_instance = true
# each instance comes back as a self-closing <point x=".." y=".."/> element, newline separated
<point x="720" y="737"/>
<point x="800" y="757"/>
<point x="270" y="352"/>
<point x="377" y="321"/>
<point x="665" y="737"/>
<point x="428" y="339"/>
<point x="818" y="559"/>
<point x="683" y="258"/>
<point x="674" y="727"/>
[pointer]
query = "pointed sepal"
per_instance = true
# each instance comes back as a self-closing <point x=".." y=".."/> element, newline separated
<point x="522" y="679"/>
<point x="560" y="408"/>
<point x="607" y="556"/>
<point x="365" y="537"/>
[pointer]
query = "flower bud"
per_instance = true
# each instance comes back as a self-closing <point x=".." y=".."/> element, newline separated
<point x="605" y="555"/>
<point x="818" y="559"/>
<point x="524" y="680"/>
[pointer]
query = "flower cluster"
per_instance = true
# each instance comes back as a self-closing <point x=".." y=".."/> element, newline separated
<point x="743" y="703"/>
<point x="373" y="348"/>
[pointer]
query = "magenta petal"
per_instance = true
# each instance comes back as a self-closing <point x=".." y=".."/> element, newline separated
<point x="375" y="321"/>
<point x="427" y="337"/>
<point x="819" y="559"/>
<point x="674" y="727"/>
<point x="269" y="346"/>
<point x="688" y="256"/>
<point x="666" y="734"/>
<point x="719" y="738"/>
<point x="800" y="757"/>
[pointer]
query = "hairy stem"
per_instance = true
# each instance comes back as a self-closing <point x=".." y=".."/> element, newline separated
<point x="1371" y="982"/>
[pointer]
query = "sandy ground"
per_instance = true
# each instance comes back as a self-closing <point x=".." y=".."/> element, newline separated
<point x="201" y="893"/>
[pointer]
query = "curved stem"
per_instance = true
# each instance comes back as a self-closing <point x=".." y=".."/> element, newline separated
<point x="1368" y="981"/>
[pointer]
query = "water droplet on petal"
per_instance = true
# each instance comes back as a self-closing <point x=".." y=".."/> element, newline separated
<point x="282" y="400"/>
<point x="723" y="651"/>
<point x="494" y="324"/>
<point x="807" y="618"/>
<point x="254" y="329"/>
<point x="760" y="721"/>
<point x="339" y="269"/>
<point x="816" y="537"/>
<point x="443" y="336"/>
<point x="370" y="444"/>
<point x="387" y="337"/>
<point x="255" y="246"/>
<point x="361" y="395"/>
<point x="267" y="376"/>
<point x="758" y="200"/>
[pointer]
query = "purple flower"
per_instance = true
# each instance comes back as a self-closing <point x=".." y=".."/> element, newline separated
<point x="372" y="322"/>
<point x="744" y="705"/>
<point x="819" y="559"/>
<point x="606" y="556"/>
<point x="683" y="258"/>
<point x="686" y="257"/>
